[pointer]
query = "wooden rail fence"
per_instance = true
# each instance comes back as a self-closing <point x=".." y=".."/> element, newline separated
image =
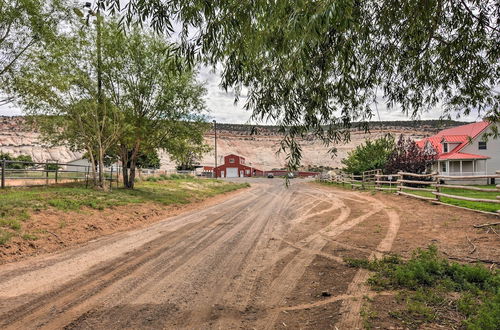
<point x="403" y="183"/>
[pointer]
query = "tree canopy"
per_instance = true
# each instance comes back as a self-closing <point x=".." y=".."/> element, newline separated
<point x="407" y="156"/>
<point x="315" y="66"/>
<point x="133" y="99"/>
<point x="24" y="24"/>
<point x="370" y="155"/>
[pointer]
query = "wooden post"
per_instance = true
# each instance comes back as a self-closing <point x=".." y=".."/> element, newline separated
<point x="498" y="187"/>
<point x="400" y="184"/>
<point x="111" y="179"/>
<point x="4" y="163"/>
<point x="57" y="169"/>
<point x="87" y="177"/>
<point x="46" y="172"/>
<point x="117" y="176"/>
<point x="438" y="198"/>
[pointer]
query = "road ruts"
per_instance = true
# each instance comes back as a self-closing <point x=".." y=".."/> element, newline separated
<point x="227" y="266"/>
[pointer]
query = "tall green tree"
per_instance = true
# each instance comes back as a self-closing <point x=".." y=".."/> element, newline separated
<point x="313" y="67"/>
<point x="187" y="149"/>
<point x="370" y="155"/>
<point x="57" y="87"/>
<point x="156" y="92"/>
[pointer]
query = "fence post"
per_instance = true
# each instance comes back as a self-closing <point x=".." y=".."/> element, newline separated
<point x="117" y="176"/>
<point x="87" y="177"/>
<point x="111" y="179"/>
<point x="57" y="170"/>
<point x="498" y="188"/>
<point x="438" y="198"/>
<point x="3" y="173"/>
<point x="400" y="184"/>
<point x="46" y="172"/>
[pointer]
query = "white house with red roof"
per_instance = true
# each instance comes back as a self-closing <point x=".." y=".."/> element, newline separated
<point x="463" y="150"/>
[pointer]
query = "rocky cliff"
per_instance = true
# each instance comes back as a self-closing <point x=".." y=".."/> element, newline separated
<point x="257" y="144"/>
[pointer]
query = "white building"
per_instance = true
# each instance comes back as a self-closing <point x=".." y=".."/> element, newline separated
<point x="464" y="150"/>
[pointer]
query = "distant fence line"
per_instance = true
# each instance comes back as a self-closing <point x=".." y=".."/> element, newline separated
<point x="22" y="174"/>
<point x="431" y="183"/>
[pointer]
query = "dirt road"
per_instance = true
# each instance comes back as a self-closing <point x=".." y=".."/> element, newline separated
<point x="269" y="257"/>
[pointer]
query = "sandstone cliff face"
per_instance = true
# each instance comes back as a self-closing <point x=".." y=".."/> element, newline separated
<point x="259" y="149"/>
<point x="17" y="139"/>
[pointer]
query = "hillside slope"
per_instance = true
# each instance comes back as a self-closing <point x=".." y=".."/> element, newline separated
<point x="259" y="148"/>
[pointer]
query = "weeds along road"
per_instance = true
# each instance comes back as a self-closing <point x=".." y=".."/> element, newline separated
<point x="268" y="257"/>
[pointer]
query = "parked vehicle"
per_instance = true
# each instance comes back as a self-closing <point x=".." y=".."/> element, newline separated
<point x="270" y="175"/>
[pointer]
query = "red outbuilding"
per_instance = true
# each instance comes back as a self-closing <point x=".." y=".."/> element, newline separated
<point x="234" y="167"/>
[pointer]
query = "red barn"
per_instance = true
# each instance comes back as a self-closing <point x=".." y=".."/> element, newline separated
<point x="234" y="167"/>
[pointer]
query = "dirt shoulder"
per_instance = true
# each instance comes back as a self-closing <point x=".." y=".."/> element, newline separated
<point x="57" y="230"/>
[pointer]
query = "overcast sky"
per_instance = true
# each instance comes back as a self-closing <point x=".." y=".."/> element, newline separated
<point x="222" y="108"/>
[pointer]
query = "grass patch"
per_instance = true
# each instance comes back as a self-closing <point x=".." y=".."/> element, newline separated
<point x="16" y="204"/>
<point x="29" y="237"/>
<point x="490" y="207"/>
<point x="4" y="236"/>
<point x="431" y="287"/>
<point x="481" y="206"/>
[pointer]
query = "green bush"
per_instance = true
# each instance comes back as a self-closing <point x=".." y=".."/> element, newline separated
<point x="369" y="156"/>
<point x="488" y="316"/>
<point x="428" y="277"/>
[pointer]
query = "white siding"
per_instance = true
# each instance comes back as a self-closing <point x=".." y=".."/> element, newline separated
<point x="493" y="150"/>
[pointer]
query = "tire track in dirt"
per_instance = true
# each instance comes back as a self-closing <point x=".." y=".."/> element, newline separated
<point x="187" y="270"/>
<point x="312" y="246"/>
<point x="231" y="265"/>
<point x="351" y="308"/>
<point x="82" y="289"/>
<point x="70" y="262"/>
<point x="281" y="286"/>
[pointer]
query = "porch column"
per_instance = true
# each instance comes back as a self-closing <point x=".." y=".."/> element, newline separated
<point x="460" y="167"/>
<point x="473" y="167"/>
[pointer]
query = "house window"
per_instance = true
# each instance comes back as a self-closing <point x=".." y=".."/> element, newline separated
<point x="248" y="171"/>
<point x="242" y="161"/>
<point x="443" y="167"/>
<point x="445" y="147"/>
<point x="231" y="160"/>
<point x="482" y="145"/>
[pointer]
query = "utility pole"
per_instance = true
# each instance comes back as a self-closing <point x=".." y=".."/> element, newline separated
<point x="215" y="144"/>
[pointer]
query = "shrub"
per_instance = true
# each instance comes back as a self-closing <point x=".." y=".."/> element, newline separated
<point x="369" y="156"/>
<point x="428" y="276"/>
<point x="407" y="156"/>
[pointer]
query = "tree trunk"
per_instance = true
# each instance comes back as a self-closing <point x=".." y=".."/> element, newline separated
<point x="101" y="184"/>
<point x="132" y="174"/>
<point x="133" y="162"/>
<point x="92" y="162"/>
<point x="125" y="164"/>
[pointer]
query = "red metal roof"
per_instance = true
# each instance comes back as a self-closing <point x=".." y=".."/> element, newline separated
<point x="460" y="135"/>
<point x="460" y="155"/>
